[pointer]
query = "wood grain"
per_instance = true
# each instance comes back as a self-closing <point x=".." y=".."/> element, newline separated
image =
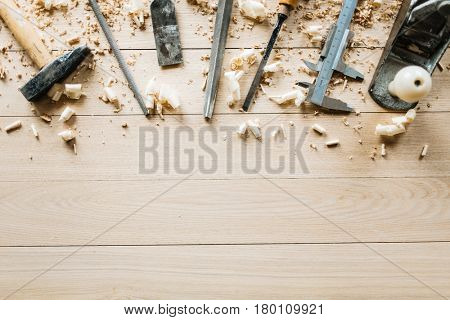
<point x="231" y="232"/>
<point x="196" y="29"/>
<point x="225" y="212"/>
<point x="190" y="81"/>
<point x="25" y="33"/>
<point x="294" y="272"/>
<point x="184" y="145"/>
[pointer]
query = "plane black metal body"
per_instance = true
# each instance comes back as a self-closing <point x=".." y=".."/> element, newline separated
<point x="420" y="36"/>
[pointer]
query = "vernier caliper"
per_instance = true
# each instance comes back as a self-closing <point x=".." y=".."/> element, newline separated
<point x="331" y="60"/>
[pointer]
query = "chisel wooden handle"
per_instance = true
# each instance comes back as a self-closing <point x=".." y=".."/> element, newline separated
<point x="290" y="3"/>
<point x="25" y="33"/>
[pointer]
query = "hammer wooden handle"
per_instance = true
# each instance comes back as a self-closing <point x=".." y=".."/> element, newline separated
<point x="25" y="33"/>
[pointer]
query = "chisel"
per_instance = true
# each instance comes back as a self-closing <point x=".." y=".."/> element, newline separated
<point x="285" y="7"/>
<point x="223" y="18"/>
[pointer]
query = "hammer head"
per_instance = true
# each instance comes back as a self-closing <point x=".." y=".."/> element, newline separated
<point x="54" y="72"/>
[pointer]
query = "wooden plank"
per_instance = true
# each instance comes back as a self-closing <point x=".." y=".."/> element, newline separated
<point x="178" y="245"/>
<point x="225" y="212"/>
<point x="196" y="29"/>
<point x="188" y="81"/>
<point x="184" y="145"/>
<point x="229" y="272"/>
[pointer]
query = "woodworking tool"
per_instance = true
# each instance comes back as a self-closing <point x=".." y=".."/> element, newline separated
<point x="331" y="60"/>
<point x="285" y="7"/>
<point x="411" y="84"/>
<point x="419" y="37"/>
<point x="52" y="70"/>
<point x="115" y="48"/>
<point x="223" y="18"/>
<point x="166" y="32"/>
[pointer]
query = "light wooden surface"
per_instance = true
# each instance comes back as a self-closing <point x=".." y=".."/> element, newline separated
<point x="94" y="225"/>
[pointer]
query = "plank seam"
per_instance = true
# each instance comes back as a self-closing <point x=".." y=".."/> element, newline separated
<point x="230" y="179"/>
<point x="228" y="244"/>
<point x="226" y="114"/>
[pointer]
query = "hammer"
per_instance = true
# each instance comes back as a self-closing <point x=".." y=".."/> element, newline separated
<point x="51" y="70"/>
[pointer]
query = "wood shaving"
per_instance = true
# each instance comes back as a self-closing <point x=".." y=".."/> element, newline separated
<point x="255" y="128"/>
<point x="73" y="40"/>
<point x="136" y="10"/>
<point x="67" y="135"/>
<point x="298" y="96"/>
<point x="67" y="114"/>
<point x="383" y="150"/>
<point x="161" y="95"/>
<point x="242" y="130"/>
<point x="34" y="130"/>
<point x="13" y="126"/>
<point x="56" y="91"/>
<point x="46" y="117"/>
<point x="3" y="72"/>
<point x="398" y="126"/>
<point x="247" y="56"/>
<point x="253" y="9"/>
<point x="205" y="6"/>
<point x="332" y="143"/>
<point x="233" y="87"/>
<point x="73" y="90"/>
<point x="424" y="151"/>
<point x="319" y="129"/>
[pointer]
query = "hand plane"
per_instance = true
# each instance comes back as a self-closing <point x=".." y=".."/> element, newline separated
<point x="420" y="36"/>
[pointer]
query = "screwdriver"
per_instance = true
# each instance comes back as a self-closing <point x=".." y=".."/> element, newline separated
<point x="285" y="7"/>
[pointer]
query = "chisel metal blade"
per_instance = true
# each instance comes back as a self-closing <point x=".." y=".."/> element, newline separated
<point x="167" y="34"/>
<point x="223" y="18"/>
<point x="257" y="80"/>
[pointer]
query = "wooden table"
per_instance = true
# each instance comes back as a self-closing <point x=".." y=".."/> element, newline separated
<point x="93" y="225"/>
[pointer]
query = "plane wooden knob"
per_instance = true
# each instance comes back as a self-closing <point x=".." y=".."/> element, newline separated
<point x="411" y="84"/>
<point x="25" y="33"/>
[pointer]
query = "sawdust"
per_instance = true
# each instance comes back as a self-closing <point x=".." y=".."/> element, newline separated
<point x="114" y="12"/>
<point x="3" y="72"/>
<point x="205" y="7"/>
<point x="73" y="40"/>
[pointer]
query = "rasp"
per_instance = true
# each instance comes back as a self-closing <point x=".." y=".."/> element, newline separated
<point x="115" y="48"/>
